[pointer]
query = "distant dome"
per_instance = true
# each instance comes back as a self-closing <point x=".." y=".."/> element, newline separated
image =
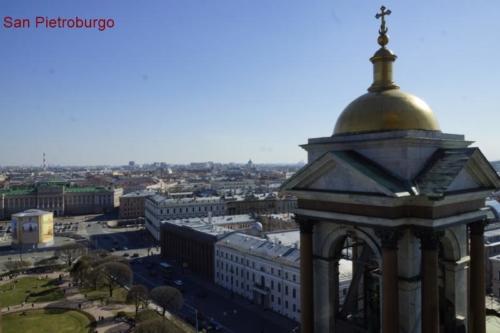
<point x="257" y="226"/>
<point x="386" y="110"/>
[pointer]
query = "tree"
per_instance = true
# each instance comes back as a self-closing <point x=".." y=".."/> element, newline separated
<point x="153" y="326"/>
<point x="167" y="298"/>
<point x="17" y="264"/>
<point x="137" y="295"/>
<point x="80" y="271"/>
<point x="116" y="274"/>
<point x="69" y="252"/>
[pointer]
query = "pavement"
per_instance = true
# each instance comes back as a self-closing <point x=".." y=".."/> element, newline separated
<point x="76" y="301"/>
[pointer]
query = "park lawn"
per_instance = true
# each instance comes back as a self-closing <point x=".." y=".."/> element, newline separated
<point x="31" y="289"/>
<point x="119" y="294"/>
<point x="46" y="321"/>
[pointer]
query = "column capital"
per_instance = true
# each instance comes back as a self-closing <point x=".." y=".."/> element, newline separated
<point x="477" y="228"/>
<point x="429" y="238"/>
<point x="389" y="237"/>
<point x="305" y="225"/>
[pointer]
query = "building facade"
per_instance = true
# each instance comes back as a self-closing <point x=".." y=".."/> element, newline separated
<point x="132" y="205"/>
<point x="32" y="228"/>
<point x="269" y="203"/>
<point x="495" y="275"/>
<point x="266" y="272"/>
<point x="190" y="241"/>
<point x="159" y="208"/>
<point x="262" y="271"/>
<point x="59" y="199"/>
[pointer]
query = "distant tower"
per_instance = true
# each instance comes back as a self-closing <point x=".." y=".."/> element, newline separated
<point x="44" y="165"/>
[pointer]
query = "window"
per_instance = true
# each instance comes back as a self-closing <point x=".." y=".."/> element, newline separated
<point x="279" y="301"/>
<point x="294" y="308"/>
<point x="286" y="304"/>
<point x="272" y="298"/>
<point x="279" y="287"/>
<point x="286" y="290"/>
<point x="294" y="277"/>
<point x="272" y="285"/>
<point x="294" y="293"/>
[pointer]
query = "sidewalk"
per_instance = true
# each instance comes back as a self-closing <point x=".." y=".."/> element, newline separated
<point x="74" y="300"/>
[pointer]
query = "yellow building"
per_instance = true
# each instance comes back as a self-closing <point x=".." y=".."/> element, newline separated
<point x="33" y="227"/>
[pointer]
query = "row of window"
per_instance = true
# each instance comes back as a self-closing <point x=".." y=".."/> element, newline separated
<point x="192" y="209"/>
<point x="243" y="261"/>
<point x="262" y="281"/>
<point x="19" y="202"/>
<point x="272" y="298"/>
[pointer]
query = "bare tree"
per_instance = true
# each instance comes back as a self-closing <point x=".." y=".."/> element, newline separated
<point x="116" y="274"/>
<point x="138" y="295"/>
<point x="69" y="252"/>
<point x="17" y="264"/>
<point x="167" y="298"/>
<point x="80" y="271"/>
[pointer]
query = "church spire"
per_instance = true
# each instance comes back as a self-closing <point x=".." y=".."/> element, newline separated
<point x="382" y="59"/>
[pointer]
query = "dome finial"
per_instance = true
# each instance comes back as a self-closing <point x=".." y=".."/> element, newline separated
<point x="382" y="59"/>
<point x="383" y="39"/>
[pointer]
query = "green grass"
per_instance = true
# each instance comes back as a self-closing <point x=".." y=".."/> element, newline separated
<point x="46" y="321"/>
<point x="119" y="294"/>
<point x="30" y="289"/>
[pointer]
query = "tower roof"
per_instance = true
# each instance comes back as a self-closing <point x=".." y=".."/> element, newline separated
<point x="385" y="107"/>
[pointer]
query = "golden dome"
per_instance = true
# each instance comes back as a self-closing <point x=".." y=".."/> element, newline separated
<point x="386" y="110"/>
<point x="385" y="107"/>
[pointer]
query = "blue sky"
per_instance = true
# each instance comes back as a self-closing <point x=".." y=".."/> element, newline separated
<point x="228" y="80"/>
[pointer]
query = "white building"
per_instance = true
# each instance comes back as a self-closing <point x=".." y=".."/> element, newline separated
<point x="265" y="272"/>
<point x="159" y="208"/>
<point x="495" y="275"/>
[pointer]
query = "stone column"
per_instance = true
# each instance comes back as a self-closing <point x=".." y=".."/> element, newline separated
<point x="390" y="282"/>
<point x="429" y="241"/>
<point x="306" y="277"/>
<point x="477" y="315"/>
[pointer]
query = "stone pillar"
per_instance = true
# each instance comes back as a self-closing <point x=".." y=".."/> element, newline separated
<point x="306" y="277"/>
<point x="429" y="241"/>
<point x="477" y="315"/>
<point x="390" y="282"/>
<point x="324" y="298"/>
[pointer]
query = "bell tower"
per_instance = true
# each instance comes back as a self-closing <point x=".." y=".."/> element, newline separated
<point x="399" y="204"/>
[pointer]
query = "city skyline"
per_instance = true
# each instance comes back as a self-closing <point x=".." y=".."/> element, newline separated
<point x="228" y="81"/>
